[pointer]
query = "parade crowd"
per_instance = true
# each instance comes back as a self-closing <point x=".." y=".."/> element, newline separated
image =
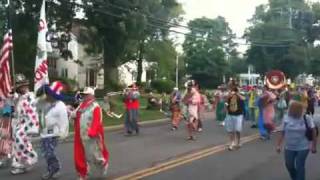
<point x="286" y="110"/>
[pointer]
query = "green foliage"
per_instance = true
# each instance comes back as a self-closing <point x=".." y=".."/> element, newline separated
<point x="125" y="27"/>
<point x="164" y="54"/>
<point x="282" y="35"/>
<point x="163" y="86"/>
<point x="206" y="51"/>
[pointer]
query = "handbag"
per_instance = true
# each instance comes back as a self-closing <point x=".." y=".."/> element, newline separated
<point x="309" y="132"/>
<point x="5" y="137"/>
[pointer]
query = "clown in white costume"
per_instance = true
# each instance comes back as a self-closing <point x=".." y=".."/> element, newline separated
<point x="25" y="123"/>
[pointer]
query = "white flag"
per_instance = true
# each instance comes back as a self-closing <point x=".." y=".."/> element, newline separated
<point x="41" y="76"/>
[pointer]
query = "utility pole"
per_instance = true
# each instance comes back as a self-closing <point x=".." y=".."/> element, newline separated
<point x="290" y="14"/>
<point x="177" y="70"/>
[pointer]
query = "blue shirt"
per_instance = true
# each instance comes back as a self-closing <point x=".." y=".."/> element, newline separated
<point x="295" y="133"/>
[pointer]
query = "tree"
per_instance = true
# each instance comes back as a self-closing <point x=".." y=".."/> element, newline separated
<point x="281" y="35"/>
<point x="124" y="28"/>
<point x="59" y="12"/>
<point x="206" y="49"/>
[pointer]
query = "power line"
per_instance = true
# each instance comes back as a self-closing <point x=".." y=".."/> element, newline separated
<point x="261" y="44"/>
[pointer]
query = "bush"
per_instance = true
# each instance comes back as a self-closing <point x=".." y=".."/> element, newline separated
<point x="163" y="86"/>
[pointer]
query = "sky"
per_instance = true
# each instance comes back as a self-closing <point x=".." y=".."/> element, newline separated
<point x="236" y="12"/>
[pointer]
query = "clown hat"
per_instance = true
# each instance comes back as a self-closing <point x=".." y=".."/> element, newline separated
<point x="55" y="90"/>
<point x="21" y="80"/>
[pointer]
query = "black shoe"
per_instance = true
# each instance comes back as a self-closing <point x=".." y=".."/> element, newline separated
<point x="128" y="133"/>
<point x="253" y="126"/>
<point x="137" y="131"/>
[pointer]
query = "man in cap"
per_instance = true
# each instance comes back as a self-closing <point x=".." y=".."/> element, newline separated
<point x="25" y="123"/>
<point x="90" y="153"/>
<point x="54" y="125"/>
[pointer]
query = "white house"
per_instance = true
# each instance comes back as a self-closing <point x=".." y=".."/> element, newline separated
<point x="87" y="69"/>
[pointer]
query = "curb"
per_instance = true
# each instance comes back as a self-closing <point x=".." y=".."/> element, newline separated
<point x="149" y="123"/>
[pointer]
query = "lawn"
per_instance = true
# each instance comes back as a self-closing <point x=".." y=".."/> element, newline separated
<point x="117" y="107"/>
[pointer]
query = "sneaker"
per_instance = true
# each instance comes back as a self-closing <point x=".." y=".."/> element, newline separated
<point x="230" y="147"/>
<point x="174" y="128"/>
<point x="46" y="176"/>
<point x="191" y="138"/>
<point x="238" y="146"/>
<point x="16" y="171"/>
<point x="200" y="130"/>
<point x="56" y="175"/>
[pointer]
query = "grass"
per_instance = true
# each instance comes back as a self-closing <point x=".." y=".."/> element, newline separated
<point x="117" y="106"/>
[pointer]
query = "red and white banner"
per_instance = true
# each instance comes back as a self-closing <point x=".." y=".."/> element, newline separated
<point x="41" y="76"/>
<point x="5" y="76"/>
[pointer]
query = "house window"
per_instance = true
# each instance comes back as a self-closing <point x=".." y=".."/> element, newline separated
<point x="91" y="77"/>
<point x="64" y="72"/>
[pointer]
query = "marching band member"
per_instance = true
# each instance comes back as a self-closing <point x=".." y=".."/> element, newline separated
<point x="132" y="106"/>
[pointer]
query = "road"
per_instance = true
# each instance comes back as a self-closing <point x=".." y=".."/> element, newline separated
<point x="157" y="145"/>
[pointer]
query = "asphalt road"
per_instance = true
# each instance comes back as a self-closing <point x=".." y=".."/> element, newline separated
<point x="257" y="160"/>
<point x="154" y="145"/>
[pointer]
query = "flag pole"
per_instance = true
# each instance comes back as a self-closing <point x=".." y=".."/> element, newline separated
<point x="11" y="52"/>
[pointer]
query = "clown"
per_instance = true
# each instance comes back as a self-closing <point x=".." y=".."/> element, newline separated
<point x="25" y="123"/>
<point x="54" y="125"/>
<point x="90" y="153"/>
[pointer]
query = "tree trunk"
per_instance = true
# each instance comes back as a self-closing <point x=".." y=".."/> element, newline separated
<point x="111" y="74"/>
<point x="140" y="61"/>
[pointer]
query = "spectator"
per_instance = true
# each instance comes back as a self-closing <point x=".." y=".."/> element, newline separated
<point x="296" y="144"/>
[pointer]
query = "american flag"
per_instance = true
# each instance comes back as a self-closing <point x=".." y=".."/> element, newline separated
<point x="5" y="77"/>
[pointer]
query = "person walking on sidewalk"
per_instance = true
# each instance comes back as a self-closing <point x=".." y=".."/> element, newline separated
<point x="91" y="155"/>
<point x="234" y="117"/>
<point x="175" y="108"/>
<point x="296" y="144"/>
<point x="25" y="123"/>
<point x="54" y="125"/>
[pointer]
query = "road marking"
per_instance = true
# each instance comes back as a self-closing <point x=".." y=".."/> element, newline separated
<point x="182" y="160"/>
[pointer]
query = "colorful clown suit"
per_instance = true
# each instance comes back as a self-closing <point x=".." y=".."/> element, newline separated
<point x="90" y="153"/>
<point x="25" y="123"/>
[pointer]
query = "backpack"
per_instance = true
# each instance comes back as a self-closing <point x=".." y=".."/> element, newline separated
<point x="309" y="133"/>
<point x="234" y="104"/>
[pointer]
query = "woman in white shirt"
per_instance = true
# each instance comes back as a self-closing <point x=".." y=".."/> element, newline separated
<point x="296" y="143"/>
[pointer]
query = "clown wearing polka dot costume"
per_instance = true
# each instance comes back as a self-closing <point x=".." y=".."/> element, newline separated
<point x="25" y="123"/>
